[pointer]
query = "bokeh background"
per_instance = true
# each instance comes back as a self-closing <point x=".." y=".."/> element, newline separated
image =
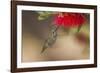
<point x="68" y="46"/>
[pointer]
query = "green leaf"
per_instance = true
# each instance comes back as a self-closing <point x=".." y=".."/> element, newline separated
<point x="43" y="15"/>
<point x="40" y="18"/>
<point x="78" y="30"/>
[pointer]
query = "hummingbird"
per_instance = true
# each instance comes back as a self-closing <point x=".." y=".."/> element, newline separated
<point x="51" y="39"/>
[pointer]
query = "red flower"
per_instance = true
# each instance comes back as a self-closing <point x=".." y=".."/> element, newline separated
<point x="69" y="19"/>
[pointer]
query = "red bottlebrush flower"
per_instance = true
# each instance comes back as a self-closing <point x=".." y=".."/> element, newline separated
<point x="69" y="19"/>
